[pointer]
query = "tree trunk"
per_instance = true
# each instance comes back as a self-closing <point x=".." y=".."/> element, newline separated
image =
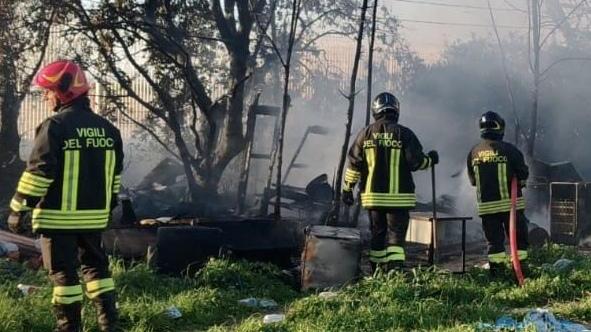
<point x="295" y="15"/>
<point x="506" y="75"/>
<point x="351" y="97"/>
<point x="536" y="73"/>
<point x="370" y="62"/>
<point x="10" y="163"/>
<point x="557" y="15"/>
<point x="229" y="142"/>
<point x="357" y="209"/>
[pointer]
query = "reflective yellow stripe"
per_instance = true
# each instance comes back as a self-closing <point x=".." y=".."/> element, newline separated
<point x="36" y="179"/>
<point x="388" y="250"/>
<point x="116" y="184"/>
<point x="34" y="185"/>
<point x="351" y="175"/>
<point x="109" y="173"/>
<point x="500" y="257"/>
<point x="50" y="212"/>
<point x="394" y="171"/>
<point x="520" y="200"/>
<point x="67" y="179"/>
<point x="390" y="254"/>
<point x="27" y="189"/>
<point x="70" y="182"/>
<point x="426" y="163"/>
<point x="66" y="294"/>
<point x="392" y="258"/>
<point x="45" y="224"/>
<point x="499" y="179"/>
<point x="54" y="214"/>
<point x="75" y="176"/>
<point x="499" y="206"/>
<point x="56" y="219"/>
<point x="18" y="206"/>
<point x="370" y="155"/>
<point x="502" y="175"/>
<point x="350" y="179"/>
<point x="477" y="176"/>
<point x="388" y="200"/>
<point x="97" y="287"/>
<point x="66" y="299"/>
<point x="409" y="196"/>
<point x="67" y="290"/>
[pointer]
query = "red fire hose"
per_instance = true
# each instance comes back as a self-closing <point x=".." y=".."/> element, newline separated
<point x="513" y="233"/>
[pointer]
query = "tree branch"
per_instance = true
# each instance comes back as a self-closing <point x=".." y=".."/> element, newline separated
<point x="564" y="19"/>
<point x="543" y="73"/>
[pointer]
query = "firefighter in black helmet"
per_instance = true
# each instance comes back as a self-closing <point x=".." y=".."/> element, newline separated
<point x="381" y="159"/>
<point x="492" y="164"/>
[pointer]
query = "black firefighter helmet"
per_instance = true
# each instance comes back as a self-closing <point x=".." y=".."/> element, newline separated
<point x="385" y="104"/>
<point x="492" y="125"/>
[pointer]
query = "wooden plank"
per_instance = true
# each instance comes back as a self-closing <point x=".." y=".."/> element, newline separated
<point x="25" y="244"/>
<point x="266" y="110"/>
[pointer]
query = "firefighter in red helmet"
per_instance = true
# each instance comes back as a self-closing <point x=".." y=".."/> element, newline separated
<point x="70" y="186"/>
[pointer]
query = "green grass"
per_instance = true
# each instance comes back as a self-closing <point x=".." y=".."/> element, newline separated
<point x="425" y="299"/>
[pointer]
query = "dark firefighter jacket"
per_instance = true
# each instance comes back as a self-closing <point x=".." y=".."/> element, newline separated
<point x="382" y="158"/>
<point x="491" y="166"/>
<point x="73" y="174"/>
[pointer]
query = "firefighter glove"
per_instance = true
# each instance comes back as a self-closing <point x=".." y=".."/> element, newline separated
<point x="348" y="197"/>
<point x="14" y="222"/>
<point x="434" y="157"/>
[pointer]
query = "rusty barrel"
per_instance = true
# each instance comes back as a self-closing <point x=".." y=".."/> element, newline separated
<point x="331" y="257"/>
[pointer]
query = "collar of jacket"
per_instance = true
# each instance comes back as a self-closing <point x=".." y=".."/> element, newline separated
<point x="492" y="137"/>
<point x="79" y="104"/>
<point x="387" y="118"/>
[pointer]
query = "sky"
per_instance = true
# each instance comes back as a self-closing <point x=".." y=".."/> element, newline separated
<point x="429" y="25"/>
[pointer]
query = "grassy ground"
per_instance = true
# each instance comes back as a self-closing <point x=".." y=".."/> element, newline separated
<point x="421" y="300"/>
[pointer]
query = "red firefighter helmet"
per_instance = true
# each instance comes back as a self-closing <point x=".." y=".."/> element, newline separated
<point x="65" y="78"/>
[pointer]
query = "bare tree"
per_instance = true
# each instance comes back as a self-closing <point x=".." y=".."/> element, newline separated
<point x="370" y="62"/>
<point x="510" y="94"/>
<point x="286" y="63"/>
<point x="350" y="110"/>
<point x="536" y="43"/>
<point x="535" y="37"/>
<point x="372" y="38"/>
<point x="24" y="33"/>
<point x="181" y="49"/>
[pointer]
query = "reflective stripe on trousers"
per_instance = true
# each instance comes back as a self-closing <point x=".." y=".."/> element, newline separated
<point x="390" y="254"/>
<point x="66" y="294"/>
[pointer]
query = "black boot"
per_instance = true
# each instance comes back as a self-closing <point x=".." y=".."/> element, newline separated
<point x="106" y="312"/>
<point x="496" y="270"/>
<point x="68" y="317"/>
<point x="394" y="266"/>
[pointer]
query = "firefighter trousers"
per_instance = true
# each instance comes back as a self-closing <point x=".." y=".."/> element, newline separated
<point x="496" y="230"/>
<point x="62" y="254"/>
<point x="388" y="234"/>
